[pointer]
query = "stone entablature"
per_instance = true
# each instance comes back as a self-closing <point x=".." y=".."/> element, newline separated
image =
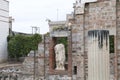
<point x="59" y="34"/>
<point x="56" y="24"/>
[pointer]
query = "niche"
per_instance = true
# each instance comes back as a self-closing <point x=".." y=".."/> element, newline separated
<point x="64" y="41"/>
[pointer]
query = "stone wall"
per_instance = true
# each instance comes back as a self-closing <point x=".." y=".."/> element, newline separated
<point x="41" y="62"/>
<point x="78" y="47"/>
<point x="97" y="15"/>
<point x="14" y="72"/>
<point x="100" y="15"/>
<point x="117" y="70"/>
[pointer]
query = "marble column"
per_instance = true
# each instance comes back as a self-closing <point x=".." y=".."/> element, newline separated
<point x="98" y="55"/>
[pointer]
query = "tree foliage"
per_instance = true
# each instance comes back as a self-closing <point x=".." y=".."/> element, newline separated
<point x="21" y="45"/>
<point x="63" y="40"/>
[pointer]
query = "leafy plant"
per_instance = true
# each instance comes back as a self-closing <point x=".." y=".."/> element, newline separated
<point x="60" y="28"/>
<point x="21" y="45"/>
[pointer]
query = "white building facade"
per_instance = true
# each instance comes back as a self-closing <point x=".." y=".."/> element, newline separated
<point x="4" y="29"/>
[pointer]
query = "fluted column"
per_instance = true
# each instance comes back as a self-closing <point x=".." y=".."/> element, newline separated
<point x="98" y="55"/>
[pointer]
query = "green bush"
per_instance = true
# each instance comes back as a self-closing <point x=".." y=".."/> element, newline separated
<point x="20" y="45"/>
<point x="63" y="40"/>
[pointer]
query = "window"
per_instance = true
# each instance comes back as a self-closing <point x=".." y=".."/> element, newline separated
<point x="64" y="41"/>
<point x="111" y="43"/>
<point x="75" y="70"/>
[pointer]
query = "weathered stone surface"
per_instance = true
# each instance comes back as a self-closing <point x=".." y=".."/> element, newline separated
<point x="28" y="64"/>
<point x="58" y="77"/>
<point x="103" y="14"/>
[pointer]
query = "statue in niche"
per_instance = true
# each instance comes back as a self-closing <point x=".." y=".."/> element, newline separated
<point x="60" y="56"/>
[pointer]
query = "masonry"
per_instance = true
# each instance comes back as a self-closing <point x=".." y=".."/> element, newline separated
<point x="95" y="15"/>
<point x="102" y="14"/>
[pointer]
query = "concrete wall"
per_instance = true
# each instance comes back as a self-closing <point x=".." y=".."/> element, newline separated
<point x="4" y="29"/>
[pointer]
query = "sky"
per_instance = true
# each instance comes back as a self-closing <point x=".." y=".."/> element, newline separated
<point x="27" y="13"/>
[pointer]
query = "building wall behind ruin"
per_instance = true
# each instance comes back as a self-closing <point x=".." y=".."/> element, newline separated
<point x="4" y="29"/>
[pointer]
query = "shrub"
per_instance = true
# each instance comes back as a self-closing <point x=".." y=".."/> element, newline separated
<point x="20" y="45"/>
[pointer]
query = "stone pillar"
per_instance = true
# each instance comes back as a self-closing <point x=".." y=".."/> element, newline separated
<point x="98" y="55"/>
<point x="70" y="56"/>
<point x="52" y="55"/>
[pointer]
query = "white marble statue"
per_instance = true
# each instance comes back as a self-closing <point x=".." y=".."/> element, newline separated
<point x="60" y="56"/>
